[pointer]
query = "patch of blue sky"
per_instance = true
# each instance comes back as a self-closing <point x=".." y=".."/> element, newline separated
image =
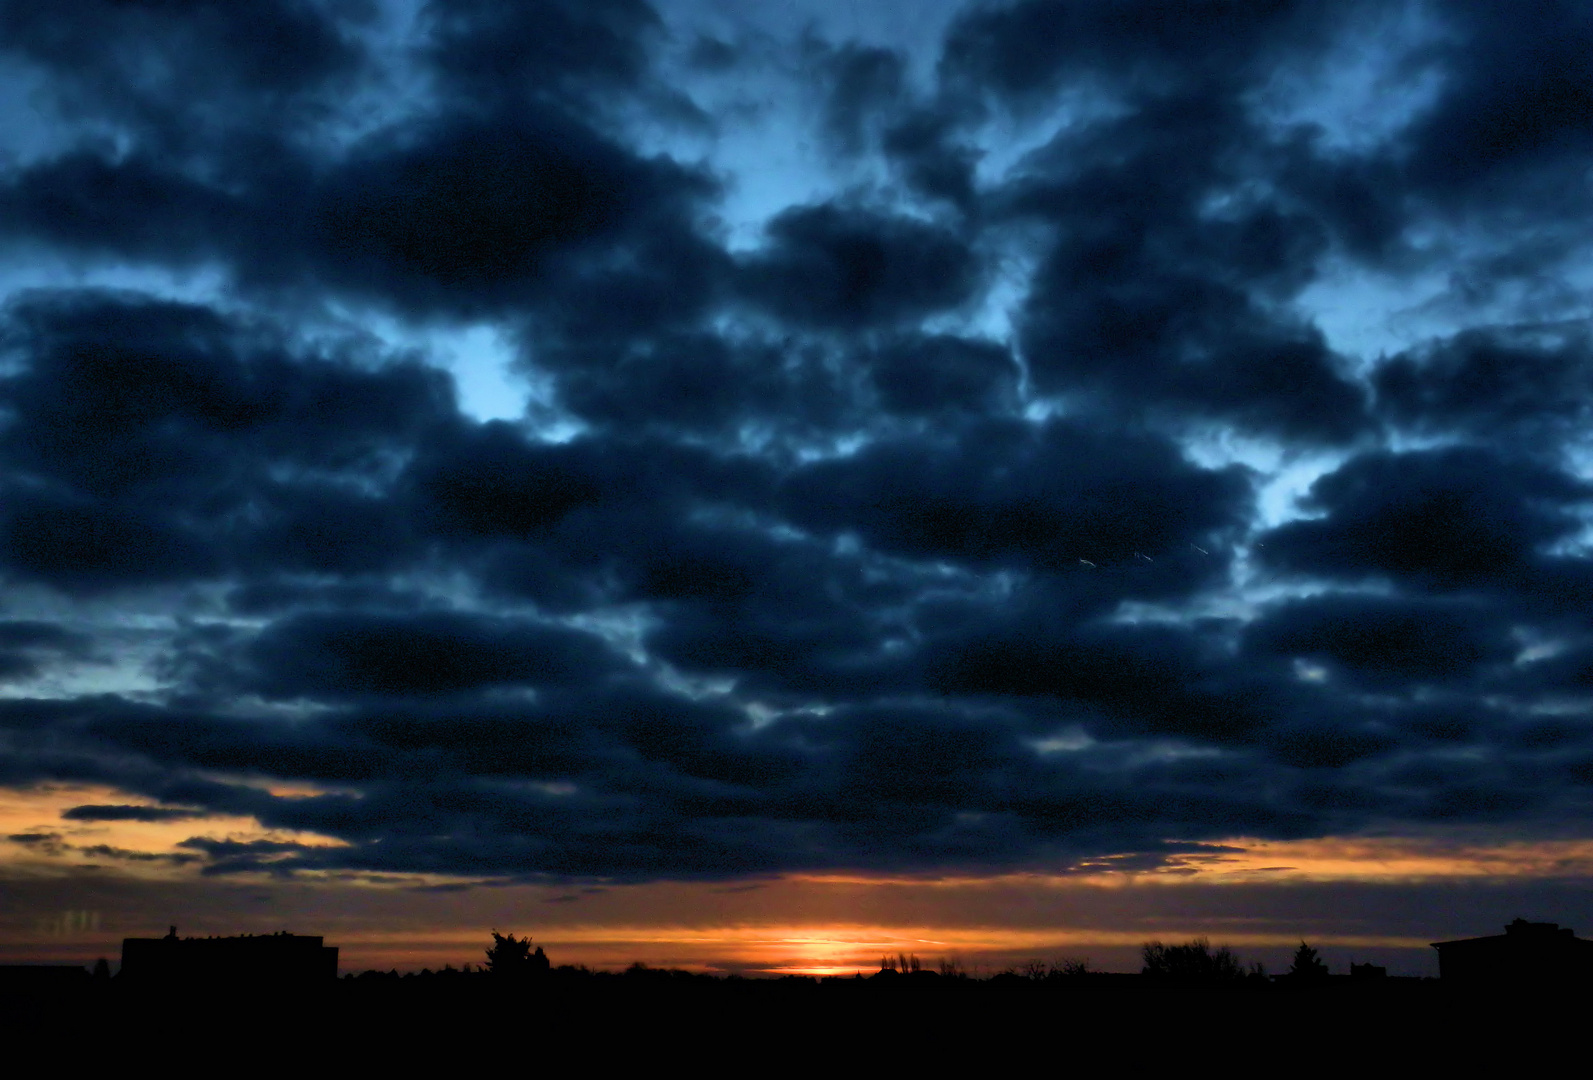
<point x="125" y="661"/>
<point x="1167" y="752"/>
<point x="991" y="315"/>
<point x="1308" y="672"/>
<point x="1455" y="278"/>
<point x="770" y="158"/>
<point x="695" y="687"/>
<point x="489" y="385"/>
<point x="1068" y="740"/>
<point x="624" y="627"/>
<point x="392" y="91"/>
<point x="1557" y="705"/>
<point x="203" y="284"/>
<point x="765" y="139"/>
<point x="827" y="447"/>
<point x="1579" y="461"/>
<point x="29" y="131"/>
<point x="1578" y="545"/>
<point x="1283" y="483"/>
<point x="1012" y="139"/>
<point x="1285" y="475"/>
<point x="1366" y="313"/>
<point x="1482" y="289"/>
<point x="1363" y="90"/>
<point x="490" y="381"/>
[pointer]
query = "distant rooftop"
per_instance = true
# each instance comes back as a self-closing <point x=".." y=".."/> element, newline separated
<point x="280" y="957"/>
<point x="1527" y="952"/>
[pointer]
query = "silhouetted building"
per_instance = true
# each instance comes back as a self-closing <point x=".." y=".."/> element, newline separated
<point x="1369" y="971"/>
<point x="1527" y="952"/>
<point x="274" y="958"/>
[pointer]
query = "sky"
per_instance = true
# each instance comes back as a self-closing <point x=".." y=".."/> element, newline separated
<point x="757" y="486"/>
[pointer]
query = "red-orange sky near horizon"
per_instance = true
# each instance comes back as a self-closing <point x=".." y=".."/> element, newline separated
<point x="78" y="890"/>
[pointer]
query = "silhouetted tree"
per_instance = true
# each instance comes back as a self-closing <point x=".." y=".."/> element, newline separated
<point x="102" y="970"/>
<point x="1307" y="964"/>
<point x="513" y="958"/>
<point x="1193" y="962"/>
<point x="901" y="962"/>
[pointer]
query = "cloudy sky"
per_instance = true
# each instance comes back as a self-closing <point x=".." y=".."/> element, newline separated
<point x="1018" y="478"/>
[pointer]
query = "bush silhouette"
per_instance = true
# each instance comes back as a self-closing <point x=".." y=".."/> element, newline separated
<point x="1193" y="963"/>
<point x="1071" y="968"/>
<point x="511" y="958"/>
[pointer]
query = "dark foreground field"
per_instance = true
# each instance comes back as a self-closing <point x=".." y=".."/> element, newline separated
<point x="603" y="1024"/>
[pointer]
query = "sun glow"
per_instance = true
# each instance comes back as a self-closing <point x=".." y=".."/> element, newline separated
<point x="1252" y="894"/>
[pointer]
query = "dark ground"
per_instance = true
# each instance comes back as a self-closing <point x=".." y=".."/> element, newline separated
<point x="657" y="1021"/>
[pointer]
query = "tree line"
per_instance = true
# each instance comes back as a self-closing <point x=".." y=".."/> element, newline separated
<point x="1191" y="963"/>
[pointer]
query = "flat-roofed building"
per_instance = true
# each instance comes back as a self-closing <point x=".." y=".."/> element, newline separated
<point x="253" y="958"/>
<point x="1527" y="952"/>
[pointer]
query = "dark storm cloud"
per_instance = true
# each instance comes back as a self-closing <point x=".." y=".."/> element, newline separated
<point x="941" y="373"/>
<point x="1031" y="48"/>
<point x="86" y="201"/>
<point x="869" y="104"/>
<point x="591" y="520"/>
<point x="159" y="442"/>
<point x="1116" y="682"/>
<point x="1182" y="214"/>
<point x="27" y="647"/>
<point x="458" y="208"/>
<point x="333" y="656"/>
<point x="1046" y="495"/>
<point x="694" y="382"/>
<point x="184" y="72"/>
<point x="127" y="813"/>
<point x="470" y="214"/>
<point x="463" y="215"/>
<point x="812" y="571"/>
<point x="1393" y="641"/>
<point x="494" y="55"/>
<point x="1517" y="106"/>
<point x="1155" y="301"/>
<point x="1530" y="384"/>
<point x="829" y="266"/>
<point x="1454" y="519"/>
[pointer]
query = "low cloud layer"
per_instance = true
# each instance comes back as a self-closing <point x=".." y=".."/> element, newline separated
<point x="1018" y="500"/>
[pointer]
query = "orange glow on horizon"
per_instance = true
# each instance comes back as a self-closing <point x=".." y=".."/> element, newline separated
<point x="815" y="923"/>
<point x="1248" y="860"/>
<point x="1433" y="856"/>
<point x="809" y="950"/>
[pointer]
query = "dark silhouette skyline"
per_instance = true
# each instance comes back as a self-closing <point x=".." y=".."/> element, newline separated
<point x="575" y="1016"/>
<point x="1529" y="957"/>
<point x="259" y="958"/>
<point x="1527" y="953"/>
